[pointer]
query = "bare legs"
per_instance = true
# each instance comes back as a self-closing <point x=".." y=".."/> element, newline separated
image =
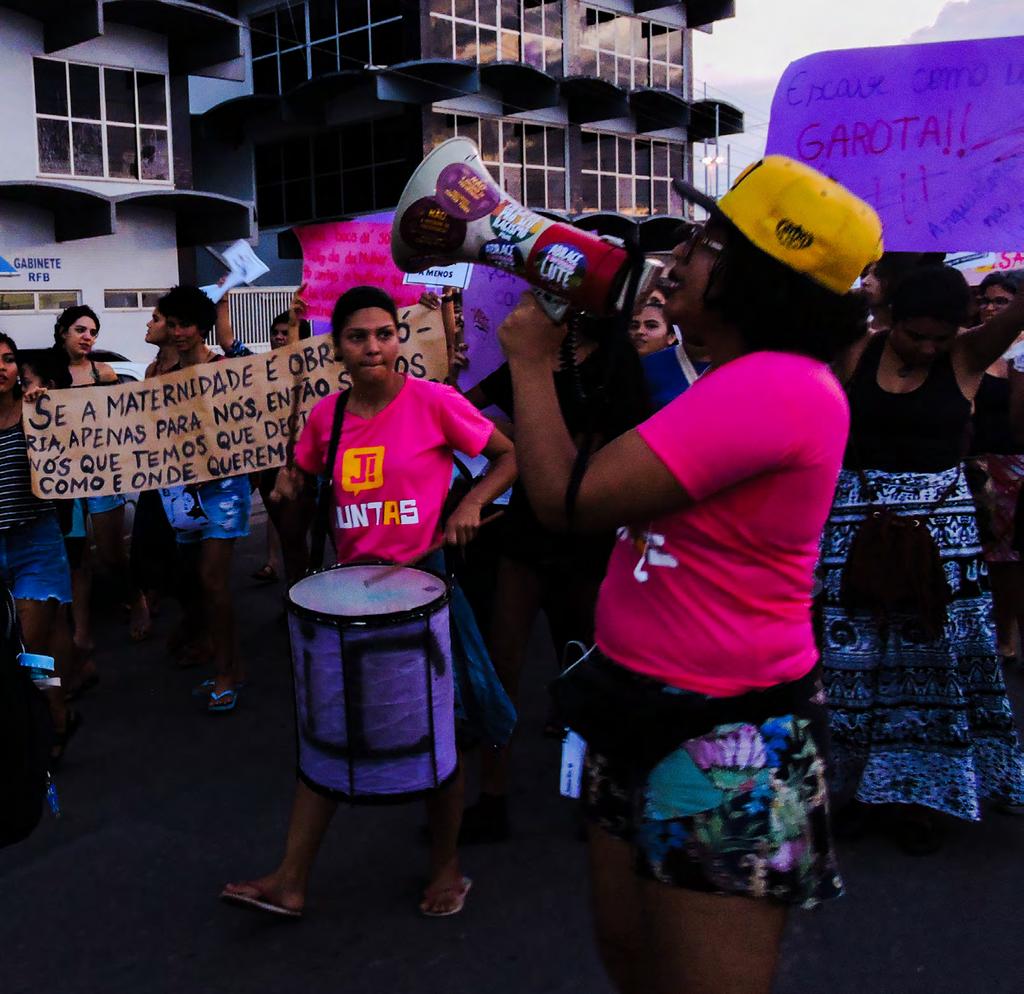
<point x="286" y="886"/>
<point x="1008" y="606"/>
<point x="39" y="623"/>
<point x="219" y="612"/>
<point x="656" y="939"/>
<point x="108" y="531"/>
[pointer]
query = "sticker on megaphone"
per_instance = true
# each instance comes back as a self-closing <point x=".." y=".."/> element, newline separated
<point x="453" y="211"/>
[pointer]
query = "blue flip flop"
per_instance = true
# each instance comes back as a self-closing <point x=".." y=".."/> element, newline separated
<point x="205" y="688"/>
<point x="223" y="701"/>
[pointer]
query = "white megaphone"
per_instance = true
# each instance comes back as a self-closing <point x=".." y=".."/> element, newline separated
<point x="452" y="211"/>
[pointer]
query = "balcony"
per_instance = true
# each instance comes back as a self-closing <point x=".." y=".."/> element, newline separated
<point x="203" y="39"/>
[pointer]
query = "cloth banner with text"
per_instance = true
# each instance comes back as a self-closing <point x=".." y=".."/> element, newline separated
<point x="932" y="136"/>
<point x="214" y="420"/>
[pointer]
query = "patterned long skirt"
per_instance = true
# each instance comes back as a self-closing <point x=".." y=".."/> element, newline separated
<point x="916" y="721"/>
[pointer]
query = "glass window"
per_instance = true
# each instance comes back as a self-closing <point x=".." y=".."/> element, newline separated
<point x="120" y="299"/>
<point x="54" y="146"/>
<point x="156" y="160"/>
<point x="152" y="97"/>
<point x="118" y="85"/>
<point x="342" y="34"/>
<point x="57" y="300"/>
<point x="630" y="175"/>
<point x="17" y="301"/>
<point x="306" y="178"/>
<point x="150" y="298"/>
<point x="105" y="123"/>
<point x="87" y="143"/>
<point x="51" y="87"/>
<point x="509" y="146"/>
<point x="85" y="92"/>
<point x="323" y="19"/>
<point x="263" y="32"/>
<point x="122" y="154"/>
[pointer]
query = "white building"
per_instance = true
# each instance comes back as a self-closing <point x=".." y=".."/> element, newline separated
<point x="97" y="199"/>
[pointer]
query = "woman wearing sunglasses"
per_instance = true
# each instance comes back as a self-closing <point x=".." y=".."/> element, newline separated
<point x="704" y="784"/>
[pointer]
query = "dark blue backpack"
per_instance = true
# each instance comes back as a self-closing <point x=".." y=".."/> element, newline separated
<point x="26" y="734"/>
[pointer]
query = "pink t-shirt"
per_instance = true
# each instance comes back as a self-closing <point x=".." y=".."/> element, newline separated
<point x="393" y="470"/>
<point x="716" y="598"/>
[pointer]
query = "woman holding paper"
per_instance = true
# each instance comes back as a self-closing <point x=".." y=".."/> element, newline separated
<point x="33" y="563"/>
<point x="415" y="426"/>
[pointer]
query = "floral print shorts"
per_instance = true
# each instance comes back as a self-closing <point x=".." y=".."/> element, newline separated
<point x="742" y="810"/>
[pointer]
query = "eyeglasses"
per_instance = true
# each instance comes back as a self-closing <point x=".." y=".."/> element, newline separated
<point x="698" y="236"/>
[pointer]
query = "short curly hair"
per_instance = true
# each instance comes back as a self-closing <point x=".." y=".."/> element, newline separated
<point x="189" y="305"/>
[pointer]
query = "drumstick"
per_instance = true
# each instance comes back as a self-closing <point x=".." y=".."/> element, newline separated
<point x="436" y="547"/>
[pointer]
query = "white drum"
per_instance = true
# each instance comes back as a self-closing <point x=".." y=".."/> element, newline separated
<point x="374" y="691"/>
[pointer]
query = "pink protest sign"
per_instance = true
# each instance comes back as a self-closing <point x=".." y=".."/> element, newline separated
<point x="932" y="136"/>
<point x="342" y="254"/>
<point x="486" y="302"/>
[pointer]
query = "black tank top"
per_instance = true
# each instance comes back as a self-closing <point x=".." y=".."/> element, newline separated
<point x="924" y="431"/>
<point x="992" y="418"/>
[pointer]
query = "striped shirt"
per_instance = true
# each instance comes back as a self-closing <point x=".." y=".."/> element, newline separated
<point x="18" y="504"/>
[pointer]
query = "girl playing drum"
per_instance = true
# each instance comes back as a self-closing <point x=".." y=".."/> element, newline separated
<point x="396" y="445"/>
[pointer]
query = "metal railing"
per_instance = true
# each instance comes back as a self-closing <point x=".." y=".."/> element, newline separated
<point x="253" y="309"/>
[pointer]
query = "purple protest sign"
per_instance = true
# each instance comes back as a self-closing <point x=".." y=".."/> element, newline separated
<point x="486" y="302"/>
<point x="932" y="136"/>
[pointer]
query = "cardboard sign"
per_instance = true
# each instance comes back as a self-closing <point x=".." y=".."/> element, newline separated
<point x="205" y="422"/>
<point x="342" y="254"/>
<point x="491" y="296"/>
<point x="455" y="274"/>
<point x="932" y="136"/>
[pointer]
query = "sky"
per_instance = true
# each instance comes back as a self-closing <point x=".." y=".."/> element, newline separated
<point x="742" y="60"/>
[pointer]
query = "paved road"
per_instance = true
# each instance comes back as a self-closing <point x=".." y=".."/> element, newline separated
<point x="164" y="803"/>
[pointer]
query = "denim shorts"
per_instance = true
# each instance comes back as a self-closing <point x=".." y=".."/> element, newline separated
<point x="226" y="504"/>
<point x="33" y="562"/>
<point x="100" y="505"/>
<point x="741" y="810"/>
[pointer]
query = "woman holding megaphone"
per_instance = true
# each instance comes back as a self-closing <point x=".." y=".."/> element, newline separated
<point x="701" y="701"/>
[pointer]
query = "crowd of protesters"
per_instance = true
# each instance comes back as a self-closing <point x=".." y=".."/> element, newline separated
<point x="717" y="477"/>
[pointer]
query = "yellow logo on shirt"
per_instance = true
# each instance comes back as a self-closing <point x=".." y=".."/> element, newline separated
<point x="362" y="469"/>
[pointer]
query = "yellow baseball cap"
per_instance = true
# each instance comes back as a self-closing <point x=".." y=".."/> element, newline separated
<point x="800" y="217"/>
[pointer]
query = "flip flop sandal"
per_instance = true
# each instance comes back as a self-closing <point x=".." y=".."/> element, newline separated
<point x="220" y="703"/>
<point x="460" y="893"/>
<point x="260" y="903"/>
<point x="205" y="688"/>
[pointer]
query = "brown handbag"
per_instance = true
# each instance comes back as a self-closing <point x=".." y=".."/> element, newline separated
<point x="894" y="566"/>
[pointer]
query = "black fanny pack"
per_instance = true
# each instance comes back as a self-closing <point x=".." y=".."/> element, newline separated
<point x="635" y="719"/>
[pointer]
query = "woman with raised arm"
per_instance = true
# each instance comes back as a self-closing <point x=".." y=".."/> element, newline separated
<point x="701" y="703"/>
<point x="918" y="709"/>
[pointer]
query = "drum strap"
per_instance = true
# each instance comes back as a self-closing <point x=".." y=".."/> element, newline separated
<point x="325" y="488"/>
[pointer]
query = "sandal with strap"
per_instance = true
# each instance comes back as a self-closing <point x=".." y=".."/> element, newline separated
<point x="222" y="702"/>
<point x="459" y="891"/>
<point x="258" y="900"/>
<point x="205" y="688"/>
